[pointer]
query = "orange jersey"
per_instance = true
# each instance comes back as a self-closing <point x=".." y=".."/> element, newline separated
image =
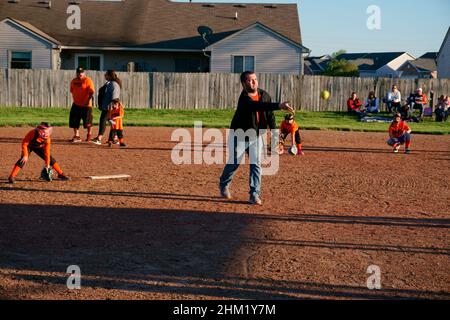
<point x="287" y="128"/>
<point x="32" y="140"/>
<point x="81" y="91"/>
<point x="396" y="130"/>
<point x="117" y="116"/>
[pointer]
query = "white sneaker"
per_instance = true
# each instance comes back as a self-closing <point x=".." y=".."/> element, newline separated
<point x="96" y="141"/>
<point x="225" y="192"/>
<point x="255" y="200"/>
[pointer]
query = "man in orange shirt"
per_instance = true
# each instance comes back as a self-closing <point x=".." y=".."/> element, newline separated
<point x="399" y="133"/>
<point x="37" y="141"/>
<point x="82" y="89"/>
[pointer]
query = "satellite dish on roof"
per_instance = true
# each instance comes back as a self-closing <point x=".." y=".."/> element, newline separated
<point x="204" y="31"/>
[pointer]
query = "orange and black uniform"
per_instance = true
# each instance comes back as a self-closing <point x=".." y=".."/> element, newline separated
<point x="290" y="128"/>
<point x="34" y="143"/>
<point x="117" y="128"/>
<point x="398" y="133"/>
<point x="82" y="92"/>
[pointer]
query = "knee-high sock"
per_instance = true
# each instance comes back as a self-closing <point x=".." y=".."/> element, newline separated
<point x="14" y="171"/>
<point x="407" y="143"/>
<point x="57" y="168"/>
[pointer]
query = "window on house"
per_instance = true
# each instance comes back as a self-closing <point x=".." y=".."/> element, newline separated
<point x="89" y="62"/>
<point x="243" y="63"/>
<point x="20" y="60"/>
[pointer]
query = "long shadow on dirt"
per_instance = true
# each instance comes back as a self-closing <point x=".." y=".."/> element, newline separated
<point x="164" y="251"/>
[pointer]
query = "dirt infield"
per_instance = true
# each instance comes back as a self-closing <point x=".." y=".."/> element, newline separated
<point x="165" y="234"/>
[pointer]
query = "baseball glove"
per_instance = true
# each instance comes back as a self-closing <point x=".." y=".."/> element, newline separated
<point x="46" y="174"/>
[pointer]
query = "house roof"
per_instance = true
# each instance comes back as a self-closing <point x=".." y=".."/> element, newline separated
<point x="33" y="29"/>
<point x="447" y="36"/>
<point x="426" y="63"/>
<point x="317" y="64"/>
<point x="150" y="23"/>
<point x="429" y="55"/>
<point x="370" y="61"/>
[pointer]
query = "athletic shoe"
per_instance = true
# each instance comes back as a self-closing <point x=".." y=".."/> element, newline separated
<point x="407" y="151"/>
<point x="89" y="138"/>
<point x="122" y="144"/>
<point x="63" y="177"/>
<point x="300" y="153"/>
<point x="115" y="142"/>
<point x="11" y="180"/>
<point x="255" y="199"/>
<point x="96" y="141"/>
<point x="396" y="148"/>
<point x="225" y="192"/>
<point x="76" y="139"/>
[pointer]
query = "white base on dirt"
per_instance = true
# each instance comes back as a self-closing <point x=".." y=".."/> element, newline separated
<point x="115" y="176"/>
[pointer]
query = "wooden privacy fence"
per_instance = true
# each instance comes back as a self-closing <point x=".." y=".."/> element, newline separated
<point x="50" y="88"/>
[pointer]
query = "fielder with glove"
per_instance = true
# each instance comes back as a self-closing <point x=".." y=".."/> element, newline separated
<point x="289" y="126"/>
<point x="399" y="134"/>
<point x="38" y="141"/>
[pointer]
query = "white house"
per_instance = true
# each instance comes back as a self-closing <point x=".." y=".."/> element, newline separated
<point x="378" y="64"/>
<point x="257" y="48"/>
<point x="443" y="58"/>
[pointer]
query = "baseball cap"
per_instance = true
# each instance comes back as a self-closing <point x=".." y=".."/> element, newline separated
<point x="80" y="70"/>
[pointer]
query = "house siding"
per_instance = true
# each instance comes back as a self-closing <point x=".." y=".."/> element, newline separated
<point x="146" y="61"/>
<point x="13" y="38"/>
<point x="443" y="61"/>
<point x="272" y="54"/>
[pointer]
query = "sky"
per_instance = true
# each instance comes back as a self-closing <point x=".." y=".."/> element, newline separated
<point x="414" y="26"/>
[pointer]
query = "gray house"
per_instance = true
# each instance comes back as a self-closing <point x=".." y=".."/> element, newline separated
<point x="443" y="58"/>
<point x="151" y="35"/>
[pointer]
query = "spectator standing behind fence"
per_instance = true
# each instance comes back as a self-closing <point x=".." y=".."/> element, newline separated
<point x="394" y="100"/>
<point x="442" y="108"/>
<point x="106" y="94"/>
<point x="372" y="104"/>
<point x="354" y="105"/>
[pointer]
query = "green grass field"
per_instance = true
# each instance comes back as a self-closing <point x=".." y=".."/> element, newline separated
<point x="210" y="118"/>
